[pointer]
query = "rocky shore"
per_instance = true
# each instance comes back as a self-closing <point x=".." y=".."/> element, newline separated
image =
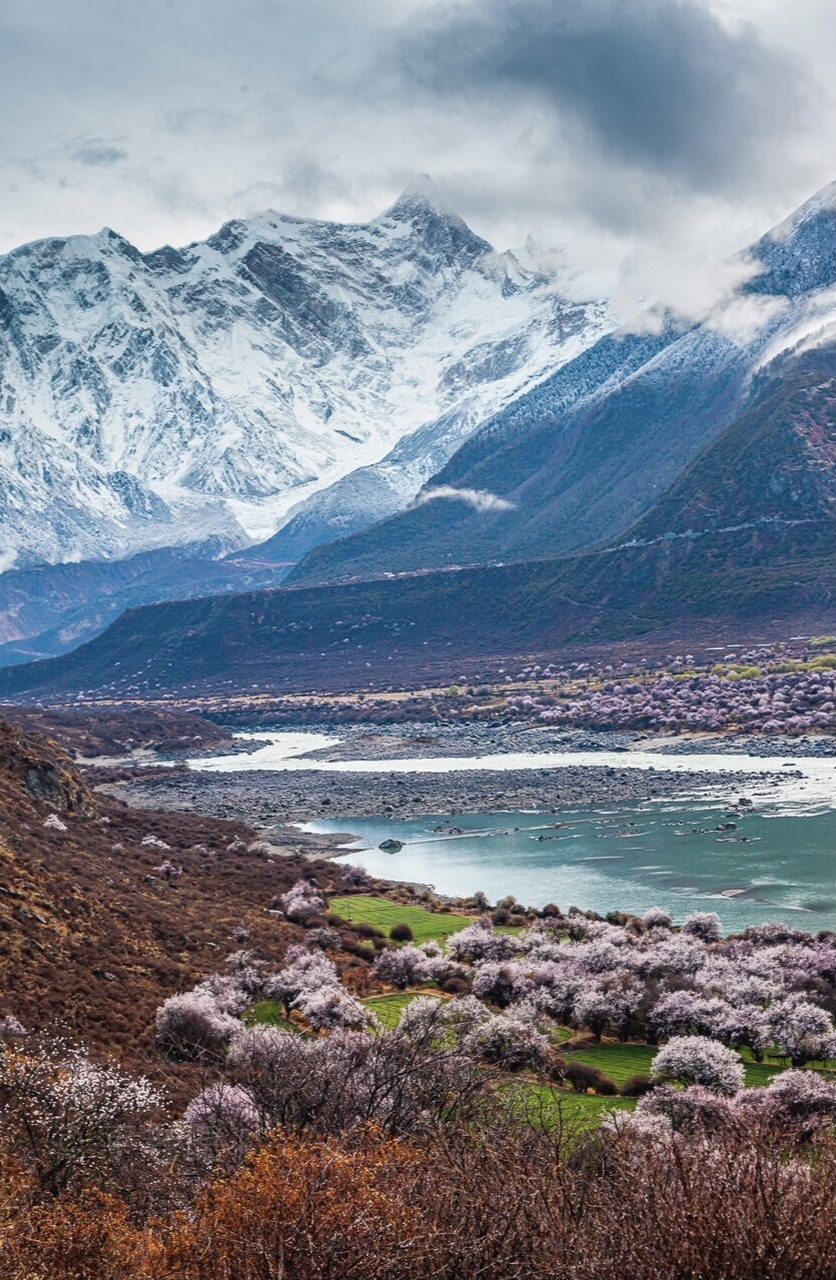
<point x="268" y="800"/>
<point x="271" y="800"/>
<point x="397" y="742"/>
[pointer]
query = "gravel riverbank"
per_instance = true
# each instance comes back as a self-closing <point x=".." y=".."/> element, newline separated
<point x="397" y="742"/>
<point x="269" y="799"/>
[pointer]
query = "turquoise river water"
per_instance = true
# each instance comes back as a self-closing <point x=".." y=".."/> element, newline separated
<point x="777" y="862"/>
<point x="774" y="865"/>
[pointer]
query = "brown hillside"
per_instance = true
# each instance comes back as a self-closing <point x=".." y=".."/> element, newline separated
<point x="119" y="730"/>
<point x="91" y="939"/>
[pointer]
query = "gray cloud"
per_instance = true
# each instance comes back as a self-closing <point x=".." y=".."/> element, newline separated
<point x="99" y="154"/>
<point x="641" y="137"/>
<point x="659" y="84"/>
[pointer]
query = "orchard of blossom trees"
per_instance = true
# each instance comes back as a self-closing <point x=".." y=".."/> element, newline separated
<point x="771" y="990"/>
<point x="702" y="998"/>
<point x="279" y="1127"/>
<point x="794" y="702"/>
<point x="773" y="689"/>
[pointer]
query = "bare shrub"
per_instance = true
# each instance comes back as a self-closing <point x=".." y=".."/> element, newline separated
<point x="636" y="1086"/>
<point x="582" y="1077"/>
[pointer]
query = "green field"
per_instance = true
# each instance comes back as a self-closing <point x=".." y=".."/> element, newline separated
<point x="545" y="1104"/>
<point x="620" y="1061"/>
<point x="382" y="914"/>
<point x="389" y="1008"/>
<point x="268" y="1013"/>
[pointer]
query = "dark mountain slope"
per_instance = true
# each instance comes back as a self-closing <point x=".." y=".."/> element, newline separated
<point x="50" y="609"/>
<point x="574" y="481"/>
<point x="774" y="463"/>
<point x="396" y="630"/>
<point x="749" y="526"/>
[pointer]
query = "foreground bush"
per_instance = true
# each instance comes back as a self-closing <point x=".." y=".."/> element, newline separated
<point x="306" y="1209"/>
<point x="72" y="1123"/>
<point x="492" y="1197"/>
<point x="84" y="1237"/>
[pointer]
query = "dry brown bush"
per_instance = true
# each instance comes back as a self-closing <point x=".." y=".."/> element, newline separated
<point x="495" y="1199"/>
<point x="91" y="940"/>
<point x="84" y="1237"/>
<point x="310" y="1210"/>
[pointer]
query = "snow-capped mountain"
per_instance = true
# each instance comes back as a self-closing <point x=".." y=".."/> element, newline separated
<point x="582" y="457"/>
<point x="154" y="399"/>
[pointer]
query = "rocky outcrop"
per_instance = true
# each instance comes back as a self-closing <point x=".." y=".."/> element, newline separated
<point x="36" y="771"/>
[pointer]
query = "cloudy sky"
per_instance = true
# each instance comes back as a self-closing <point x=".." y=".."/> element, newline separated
<point x="628" y="134"/>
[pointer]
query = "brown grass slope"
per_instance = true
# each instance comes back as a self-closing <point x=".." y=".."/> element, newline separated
<point x="119" y="730"/>
<point x="91" y="939"/>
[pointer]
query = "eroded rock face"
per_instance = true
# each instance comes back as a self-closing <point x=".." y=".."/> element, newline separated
<point x="41" y="773"/>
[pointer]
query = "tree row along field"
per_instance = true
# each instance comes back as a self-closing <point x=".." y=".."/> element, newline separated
<point x="768" y="689"/>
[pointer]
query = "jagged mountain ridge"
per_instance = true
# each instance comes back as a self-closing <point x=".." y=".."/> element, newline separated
<point x="148" y="400"/>
<point x="580" y="458"/>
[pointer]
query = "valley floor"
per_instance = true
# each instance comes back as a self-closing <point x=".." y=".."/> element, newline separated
<point x="268" y="799"/>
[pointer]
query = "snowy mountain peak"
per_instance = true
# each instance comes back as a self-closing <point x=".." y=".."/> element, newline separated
<point x="419" y="197"/>
<point x="153" y="399"/>
<point x="422" y="212"/>
<point x="824" y="199"/>
<point x="797" y="255"/>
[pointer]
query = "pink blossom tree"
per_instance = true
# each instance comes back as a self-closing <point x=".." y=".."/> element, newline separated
<point x="401" y="966"/>
<point x="69" y="1119"/>
<point x="704" y="925"/>
<point x="304" y="970"/>
<point x="802" y="1031"/>
<point x="694" y="1107"/>
<point x="691" y="1060"/>
<point x="331" y="1006"/>
<point x="656" y="918"/>
<point x="220" y="1123"/>
<point x="478" y="941"/>
<point x="301" y="901"/>
<point x="193" y="1026"/>
<point x="508" y="1042"/>
<point x="500" y="982"/>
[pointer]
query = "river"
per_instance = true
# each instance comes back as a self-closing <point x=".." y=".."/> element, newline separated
<point x="773" y="859"/>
